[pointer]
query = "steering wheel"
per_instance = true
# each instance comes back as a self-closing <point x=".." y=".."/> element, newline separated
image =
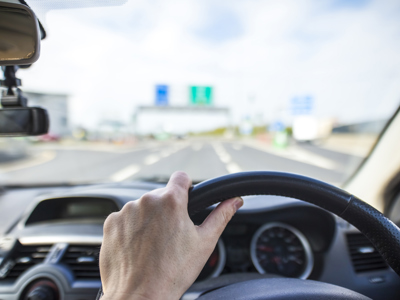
<point x="382" y="232"/>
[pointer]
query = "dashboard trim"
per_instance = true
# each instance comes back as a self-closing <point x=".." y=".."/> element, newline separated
<point x="70" y="239"/>
<point x="296" y="232"/>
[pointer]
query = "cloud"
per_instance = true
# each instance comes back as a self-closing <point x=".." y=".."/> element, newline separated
<point x="219" y="25"/>
<point x="339" y="4"/>
<point x="257" y="54"/>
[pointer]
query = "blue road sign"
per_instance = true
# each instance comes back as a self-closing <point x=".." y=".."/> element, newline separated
<point x="161" y="95"/>
<point x="302" y="105"/>
<point x="277" y="126"/>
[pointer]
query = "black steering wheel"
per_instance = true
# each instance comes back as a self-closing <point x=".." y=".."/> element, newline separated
<point x="382" y="232"/>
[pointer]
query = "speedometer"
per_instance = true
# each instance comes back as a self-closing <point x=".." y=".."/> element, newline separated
<point x="278" y="248"/>
<point x="215" y="263"/>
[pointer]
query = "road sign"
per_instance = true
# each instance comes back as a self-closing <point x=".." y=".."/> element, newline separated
<point x="161" y="95"/>
<point x="277" y="126"/>
<point x="302" y="105"/>
<point x="200" y="95"/>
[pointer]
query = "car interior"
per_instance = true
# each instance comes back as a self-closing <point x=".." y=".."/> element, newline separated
<point x="304" y="232"/>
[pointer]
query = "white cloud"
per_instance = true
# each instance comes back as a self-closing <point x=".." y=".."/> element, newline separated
<point x="109" y="58"/>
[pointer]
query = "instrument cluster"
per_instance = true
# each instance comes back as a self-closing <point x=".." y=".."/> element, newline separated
<point x="274" y="248"/>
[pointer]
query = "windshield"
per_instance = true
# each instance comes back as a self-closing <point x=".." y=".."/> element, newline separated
<point x="139" y="89"/>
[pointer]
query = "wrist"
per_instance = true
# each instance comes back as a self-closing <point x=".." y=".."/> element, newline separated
<point x="167" y="295"/>
<point x="122" y="296"/>
<point x="140" y="288"/>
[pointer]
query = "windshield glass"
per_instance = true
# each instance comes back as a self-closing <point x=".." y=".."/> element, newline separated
<point x="139" y="89"/>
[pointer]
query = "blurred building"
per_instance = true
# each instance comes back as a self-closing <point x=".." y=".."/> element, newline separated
<point x="180" y="119"/>
<point x="57" y="108"/>
<point x="112" y="131"/>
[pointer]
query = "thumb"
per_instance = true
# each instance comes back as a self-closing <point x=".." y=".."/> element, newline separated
<point x="215" y="223"/>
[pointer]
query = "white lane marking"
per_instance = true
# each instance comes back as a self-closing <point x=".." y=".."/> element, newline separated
<point x="169" y="151"/>
<point x="233" y="167"/>
<point x="224" y="156"/>
<point x="151" y="159"/>
<point x="237" y="147"/>
<point x="298" y="154"/>
<point x="165" y="153"/>
<point x="125" y="173"/>
<point x="38" y="159"/>
<point x="197" y="146"/>
<point x="221" y="152"/>
<point x="129" y="171"/>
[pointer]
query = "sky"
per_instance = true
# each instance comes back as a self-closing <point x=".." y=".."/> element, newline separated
<point x="257" y="54"/>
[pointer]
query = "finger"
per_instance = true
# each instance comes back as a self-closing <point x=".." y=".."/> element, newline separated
<point x="179" y="180"/>
<point x="215" y="223"/>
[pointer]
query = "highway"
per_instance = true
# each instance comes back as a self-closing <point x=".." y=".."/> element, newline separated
<point x="200" y="158"/>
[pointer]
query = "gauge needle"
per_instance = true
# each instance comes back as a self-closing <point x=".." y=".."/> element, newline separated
<point x="265" y="248"/>
<point x="276" y="260"/>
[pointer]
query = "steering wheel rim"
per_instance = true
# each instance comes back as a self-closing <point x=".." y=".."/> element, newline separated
<point x="282" y="289"/>
<point x="382" y="232"/>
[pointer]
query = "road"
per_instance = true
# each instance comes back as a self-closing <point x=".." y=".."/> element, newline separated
<point x="201" y="159"/>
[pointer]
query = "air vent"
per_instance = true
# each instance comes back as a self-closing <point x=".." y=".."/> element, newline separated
<point x="83" y="260"/>
<point x="363" y="254"/>
<point x="24" y="258"/>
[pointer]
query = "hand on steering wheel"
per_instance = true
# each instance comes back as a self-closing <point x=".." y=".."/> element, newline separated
<point x="152" y="250"/>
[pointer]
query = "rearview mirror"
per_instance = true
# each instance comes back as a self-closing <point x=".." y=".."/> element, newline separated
<point x="23" y="121"/>
<point x="19" y="35"/>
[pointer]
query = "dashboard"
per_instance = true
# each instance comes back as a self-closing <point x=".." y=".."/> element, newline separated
<point x="50" y="239"/>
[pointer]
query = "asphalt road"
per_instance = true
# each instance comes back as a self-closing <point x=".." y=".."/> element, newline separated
<point x="201" y="159"/>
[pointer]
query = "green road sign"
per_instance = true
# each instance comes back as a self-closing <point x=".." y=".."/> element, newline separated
<point x="200" y="95"/>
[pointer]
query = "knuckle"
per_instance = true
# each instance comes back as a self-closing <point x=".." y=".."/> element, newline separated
<point x="110" y="222"/>
<point x="148" y="200"/>
<point x="181" y="179"/>
<point x="171" y="198"/>
<point x="128" y="207"/>
<point x="170" y="194"/>
<point x="182" y="175"/>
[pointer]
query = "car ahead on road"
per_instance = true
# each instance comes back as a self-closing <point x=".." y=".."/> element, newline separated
<point x="295" y="237"/>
